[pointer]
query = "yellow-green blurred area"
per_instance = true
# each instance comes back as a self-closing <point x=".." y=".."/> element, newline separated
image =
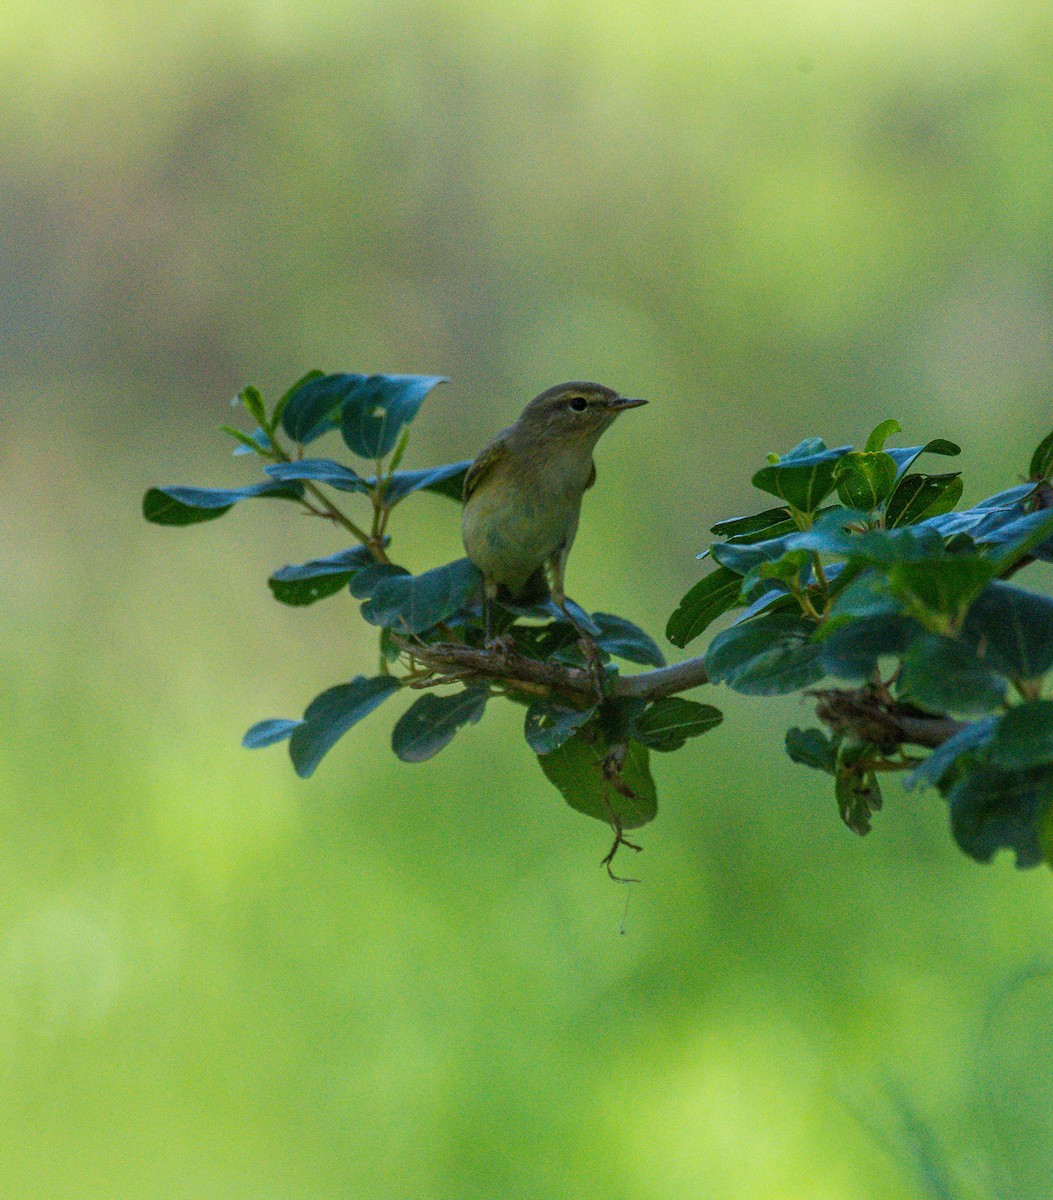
<point x="220" y="982"/>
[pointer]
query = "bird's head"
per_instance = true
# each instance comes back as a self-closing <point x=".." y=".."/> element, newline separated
<point x="573" y="413"/>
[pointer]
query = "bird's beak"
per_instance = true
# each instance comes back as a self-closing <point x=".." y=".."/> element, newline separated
<point x="623" y="402"/>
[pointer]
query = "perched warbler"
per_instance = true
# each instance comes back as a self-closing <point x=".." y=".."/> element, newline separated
<point x="523" y="493"/>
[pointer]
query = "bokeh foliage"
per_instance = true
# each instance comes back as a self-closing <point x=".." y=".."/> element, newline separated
<point x="403" y="979"/>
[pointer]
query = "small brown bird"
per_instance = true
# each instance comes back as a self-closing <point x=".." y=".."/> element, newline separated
<point x="523" y="493"/>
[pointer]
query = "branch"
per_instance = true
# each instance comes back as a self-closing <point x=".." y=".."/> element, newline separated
<point x="874" y="720"/>
<point x="506" y="666"/>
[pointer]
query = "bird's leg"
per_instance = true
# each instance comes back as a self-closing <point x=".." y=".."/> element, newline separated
<point x="589" y="649"/>
<point x="489" y="595"/>
<point x="502" y="646"/>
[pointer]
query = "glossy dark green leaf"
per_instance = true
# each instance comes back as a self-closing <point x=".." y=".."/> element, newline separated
<point x="549" y="724"/>
<point x="431" y="722"/>
<point x="865" y="479"/>
<point x="315" y="405"/>
<point x="767" y="656"/>
<point x="594" y="784"/>
<point x="267" y="733"/>
<point x="803" y="482"/>
<point x="279" y="409"/>
<point x="374" y="413"/>
<point x="944" y="675"/>
<point x="304" y="583"/>
<point x="1042" y="460"/>
<point x="993" y="810"/>
<point x="1028" y="535"/>
<point x="748" y="526"/>
<point x="190" y="505"/>
<point x="366" y="581"/>
<point x="744" y="557"/>
<point x="944" y="587"/>
<point x="1024" y="737"/>
<point x="853" y="650"/>
<point x="971" y="737"/>
<point x="625" y="640"/>
<point x="1012" y="629"/>
<point x="666" y="724"/>
<point x="867" y="594"/>
<point x="880" y="434"/>
<point x="905" y="457"/>
<point x="414" y="603"/>
<point x="319" y="470"/>
<point x="918" y="497"/>
<point x="446" y="480"/>
<point x="812" y="748"/>
<point x="710" y="597"/>
<point x="330" y="715"/>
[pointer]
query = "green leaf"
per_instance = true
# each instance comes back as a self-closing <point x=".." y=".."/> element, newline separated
<point x="668" y="723"/>
<point x="267" y="733"/>
<point x="283" y="403"/>
<point x="812" y="748"/>
<point x="190" y="505"/>
<point x="415" y="603"/>
<point x="867" y="594"/>
<point x="375" y="411"/>
<point x="430" y="723"/>
<point x="1029" y="534"/>
<point x="258" y="442"/>
<point x="880" y="434"/>
<point x="1042" y="460"/>
<point x="319" y="470"/>
<point x="865" y="479"/>
<point x="251" y="442"/>
<point x="905" y="457"/>
<point x="304" y="583"/>
<point x="625" y="640"/>
<point x="447" y="480"/>
<point x="549" y="724"/>
<point x="252" y="400"/>
<point x="1013" y="630"/>
<point x="992" y="810"/>
<point x="858" y="798"/>
<point x="944" y="675"/>
<point x="315" y="405"/>
<point x="757" y="524"/>
<point x="331" y="714"/>
<point x="852" y="650"/>
<point x="710" y="597"/>
<point x="935" y="767"/>
<point x="366" y="581"/>
<point x="1024" y="737"/>
<point x="943" y="588"/>
<point x="766" y="656"/>
<point x="803" y="481"/>
<point x="918" y="497"/>
<point x="588" y="775"/>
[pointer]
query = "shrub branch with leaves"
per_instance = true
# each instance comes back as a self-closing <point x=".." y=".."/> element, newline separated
<point x="864" y="574"/>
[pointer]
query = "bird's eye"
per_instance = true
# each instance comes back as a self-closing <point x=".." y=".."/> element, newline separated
<point x="579" y="404"/>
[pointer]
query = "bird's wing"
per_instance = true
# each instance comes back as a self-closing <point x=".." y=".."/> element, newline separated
<point x="488" y="458"/>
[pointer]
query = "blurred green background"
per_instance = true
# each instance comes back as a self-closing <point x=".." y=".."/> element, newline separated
<point x="218" y="981"/>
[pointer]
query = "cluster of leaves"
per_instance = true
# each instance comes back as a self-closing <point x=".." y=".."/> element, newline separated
<point x="596" y="753"/>
<point x="866" y="573"/>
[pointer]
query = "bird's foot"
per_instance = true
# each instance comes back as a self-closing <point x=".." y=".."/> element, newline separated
<point x="594" y="665"/>
<point x="501" y="648"/>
